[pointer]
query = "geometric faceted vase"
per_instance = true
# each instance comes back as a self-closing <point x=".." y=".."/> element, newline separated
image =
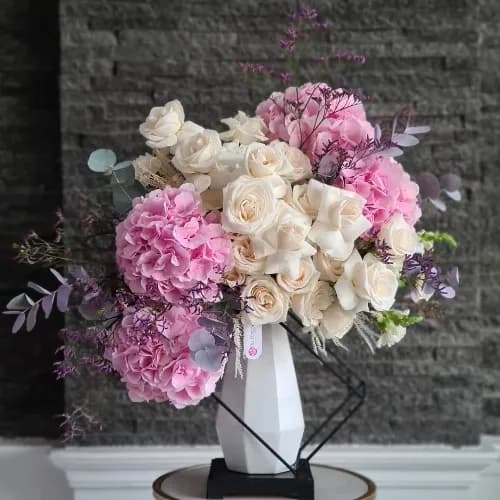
<point x="267" y="399"/>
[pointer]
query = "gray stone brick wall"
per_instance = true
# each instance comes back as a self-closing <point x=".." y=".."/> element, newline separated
<point x="30" y="192"/>
<point x="120" y="57"/>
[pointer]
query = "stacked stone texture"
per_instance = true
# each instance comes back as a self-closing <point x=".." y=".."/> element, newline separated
<point x="30" y="191"/>
<point x="121" y="57"/>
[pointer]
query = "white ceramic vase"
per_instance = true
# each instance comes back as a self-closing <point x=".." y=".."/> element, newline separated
<point x="267" y="398"/>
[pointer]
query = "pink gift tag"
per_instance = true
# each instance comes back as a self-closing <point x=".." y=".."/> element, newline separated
<point x="252" y="341"/>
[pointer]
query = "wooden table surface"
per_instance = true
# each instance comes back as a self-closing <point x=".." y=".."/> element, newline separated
<point x="330" y="483"/>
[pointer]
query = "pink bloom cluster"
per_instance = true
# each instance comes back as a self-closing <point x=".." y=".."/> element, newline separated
<point x="168" y="248"/>
<point x="387" y="189"/>
<point x="309" y="116"/>
<point x="157" y="366"/>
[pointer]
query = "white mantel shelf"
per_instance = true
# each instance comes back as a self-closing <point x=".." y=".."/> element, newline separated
<point x="422" y="472"/>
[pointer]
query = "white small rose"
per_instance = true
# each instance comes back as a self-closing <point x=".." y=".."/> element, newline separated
<point x="336" y="322"/>
<point x="196" y="153"/>
<point x="296" y="165"/>
<point x="229" y="165"/>
<point x="329" y="269"/>
<point x="250" y="204"/>
<point x="366" y="281"/>
<point x="234" y="277"/>
<point x="244" y="129"/>
<point x="309" y="307"/>
<point x="162" y="125"/>
<point x="300" y="200"/>
<point x="303" y="282"/>
<point x="262" y="160"/>
<point x="264" y="300"/>
<point x="244" y="256"/>
<point x="339" y="221"/>
<point x="401" y="238"/>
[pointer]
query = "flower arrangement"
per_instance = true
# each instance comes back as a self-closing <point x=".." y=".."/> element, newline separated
<point x="299" y="209"/>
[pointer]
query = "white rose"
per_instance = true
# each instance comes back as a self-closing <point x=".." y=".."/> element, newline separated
<point x="284" y="243"/>
<point x="250" y="204"/>
<point x="234" y="277"/>
<point x="366" y="281"/>
<point x="401" y="238"/>
<point x="329" y="269"/>
<point x="296" y="165"/>
<point x="339" y="221"/>
<point x="300" y="199"/>
<point x="262" y="160"/>
<point x="392" y="335"/>
<point x="162" y="125"/>
<point x="244" y="129"/>
<point x="244" y="256"/>
<point x="264" y="300"/>
<point x="336" y="322"/>
<point x="303" y="282"/>
<point x="196" y="153"/>
<point x="309" y="307"/>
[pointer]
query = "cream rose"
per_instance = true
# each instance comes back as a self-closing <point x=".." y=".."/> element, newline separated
<point x="303" y="282"/>
<point x="339" y="221"/>
<point x="244" y="129"/>
<point x="250" y="204"/>
<point x="296" y="165"/>
<point x="401" y="238"/>
<point x="329" y="269"/>
<point x="300" y="200"/>
<point x="336" y="322"/>
<point x="284" y="243"/>
<point x="309" y="307"/>
<point x="265" y="301"/>
<point x="162" y="125"/>
<point x="262" y="160"/>
<point x="234" y="277"/>
<point x="366" y="281"/>
<point x="196" y="153"/>
<point x="244" y="256"/>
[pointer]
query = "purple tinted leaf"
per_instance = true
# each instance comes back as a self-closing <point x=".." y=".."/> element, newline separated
<point x="47" y="304"/>
<point x="209" y="359"/>
<point x="79" y="273"/>
<point x="377" y="132"/>
<point x="450" y="182"/>
<point x="18" y="303"/>
<point x="199" y="340"/>
<point x="18" y="324"/>
<point x="391" y="151"/>
<point x="38" y="288"/>
<point x="58" y="276"/>
<point x="423" y="129"/>
<point x="447" y="292"/>
<point x="63" y="293"/>
<point x="453" y="277"/>
<point x="404" y="140"/>
<point x="10" y="312"/>
<point x="428" y="184"/>
<point x="439" y="204"/>
<point x="454" y="195"/>
<point x="31" y="319"/>
<point x="92" y="311"/>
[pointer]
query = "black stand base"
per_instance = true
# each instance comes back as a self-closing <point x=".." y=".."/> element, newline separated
<point x="222" y="482"/>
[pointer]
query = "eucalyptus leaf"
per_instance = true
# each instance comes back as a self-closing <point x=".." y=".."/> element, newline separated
<point x="18" y="303"/>
<point x="423" y="129"/>
<point x="122" y="164"/>
<point x="101" y="160"/>
<point x="18" y="324"/>
<point x="125" y="175"/>
<point x="38" y="288"/>
<point x="405" y="140"/>
<point x="62" y="300"/>
<point x="59" y="276"/>
<point x="392" y="151"/>
<point x="31" y="318"/>
<point x="48" y="304"/>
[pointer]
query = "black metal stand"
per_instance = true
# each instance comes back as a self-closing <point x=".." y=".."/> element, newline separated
<point x="298" y="481"/>
<point x="222" y="482"/>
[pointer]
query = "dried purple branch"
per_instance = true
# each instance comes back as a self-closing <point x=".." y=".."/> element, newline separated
<point x="78" y="423"/>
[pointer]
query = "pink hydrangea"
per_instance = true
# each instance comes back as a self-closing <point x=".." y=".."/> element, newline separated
<point x="168" y="248"/>
<point x="325" y="114"/>
<point x="387" y="189"/>
<point x="151" y="354"/>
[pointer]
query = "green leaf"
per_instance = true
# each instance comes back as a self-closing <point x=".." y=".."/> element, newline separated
<point x="101" y="160"/>
<point x="386" y="319"/>
<point x="124" y="175"/>
<point x="431" y="237"/>
<point x="123" y="195"/>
